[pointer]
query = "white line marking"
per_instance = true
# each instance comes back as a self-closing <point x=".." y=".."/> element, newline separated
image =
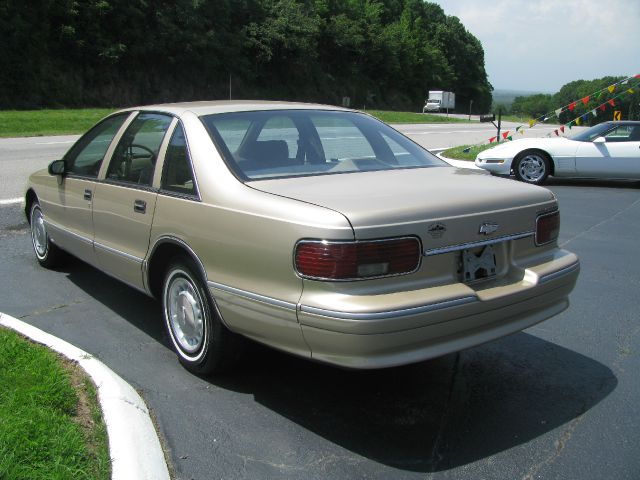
<point x="10" y="201"/>
<point x="54" y="143"/>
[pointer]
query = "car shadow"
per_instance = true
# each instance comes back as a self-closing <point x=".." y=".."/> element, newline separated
<point x="138" y="309"/>
<point x="581" y="182"/>
<point x="435" y="415"/>
<point x="427" y="417"/>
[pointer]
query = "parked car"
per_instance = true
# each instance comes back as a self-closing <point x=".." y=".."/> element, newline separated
<point x="317" y="230"/>
<point x="610" y="150"/>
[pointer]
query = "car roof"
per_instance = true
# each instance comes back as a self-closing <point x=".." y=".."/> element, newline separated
<point x="225" y="106"/>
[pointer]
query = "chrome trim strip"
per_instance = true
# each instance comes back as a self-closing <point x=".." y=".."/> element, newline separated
<point x="482" y="243"/>
<point x="390" y="313"/>
<point x="560" y="273"/>
<point x="253" y="296"/>
<point x="67" y="232"/>
<point x="115" y="251"/>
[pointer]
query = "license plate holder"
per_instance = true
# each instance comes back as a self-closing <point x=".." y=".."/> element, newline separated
<point x="478" y="264"/>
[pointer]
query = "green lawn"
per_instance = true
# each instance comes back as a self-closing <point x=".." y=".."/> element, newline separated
<point x="32" y="123"/>
<point x="411" y="117"/>
<point x="50" y="423"/>
<point x="459" y="153"/>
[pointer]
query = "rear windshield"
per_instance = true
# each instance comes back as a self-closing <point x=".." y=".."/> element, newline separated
<point x="287" y="143"/>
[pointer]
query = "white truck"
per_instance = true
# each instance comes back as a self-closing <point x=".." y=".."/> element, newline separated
<point x="440" y="101"/>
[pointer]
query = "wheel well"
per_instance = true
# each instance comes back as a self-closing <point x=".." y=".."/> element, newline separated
<point x="552" y="167"/>
<point x="30" y="197"/>
<point x="160" y="260"/>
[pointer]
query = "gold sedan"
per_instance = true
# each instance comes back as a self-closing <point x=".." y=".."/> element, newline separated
<point x="317" y="230"/>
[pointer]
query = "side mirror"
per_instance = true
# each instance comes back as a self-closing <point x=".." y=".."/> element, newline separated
<point x="57" y="167"/>
<point x="600" y="140"/>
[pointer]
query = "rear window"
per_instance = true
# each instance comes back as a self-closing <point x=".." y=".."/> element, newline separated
<point x="287" y="143"/>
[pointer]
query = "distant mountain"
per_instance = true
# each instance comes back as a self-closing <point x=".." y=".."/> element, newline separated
<point x="506" y="97"/>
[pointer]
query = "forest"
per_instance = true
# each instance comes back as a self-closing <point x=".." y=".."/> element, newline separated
<point x="589" y="96"/>
<point x="118" y="53"/>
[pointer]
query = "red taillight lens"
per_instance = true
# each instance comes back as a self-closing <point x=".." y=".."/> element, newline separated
<point x="547" y="228"/>
<point x="356" y="260"/>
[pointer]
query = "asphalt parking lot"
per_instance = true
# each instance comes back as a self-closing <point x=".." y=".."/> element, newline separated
<point x="559" y="400"/>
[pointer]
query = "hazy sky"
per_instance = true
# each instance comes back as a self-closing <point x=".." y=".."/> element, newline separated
<point x="540" y="45"/>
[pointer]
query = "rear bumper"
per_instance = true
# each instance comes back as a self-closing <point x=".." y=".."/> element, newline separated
<point x="463" y="318"/>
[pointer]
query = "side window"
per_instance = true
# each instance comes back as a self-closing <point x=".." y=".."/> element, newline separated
<point x="134" y="158"/>
<point x="86" y="156"/>
<point x="177" y="175"/>
<point x="620" y="134"/>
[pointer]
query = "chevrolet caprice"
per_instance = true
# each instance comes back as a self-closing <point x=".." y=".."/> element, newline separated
<point x="317" y="230"/>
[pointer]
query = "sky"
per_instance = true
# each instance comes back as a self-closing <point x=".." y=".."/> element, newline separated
<point x="540" y="45"/>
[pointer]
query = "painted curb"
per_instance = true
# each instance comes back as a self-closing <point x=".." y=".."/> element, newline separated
<point x="134" y="446"/>
<point x="458" y="163"/>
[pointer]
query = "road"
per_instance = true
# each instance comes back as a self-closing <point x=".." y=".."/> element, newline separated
<point x="556" y="401"/>
<point x="21" y="156"/>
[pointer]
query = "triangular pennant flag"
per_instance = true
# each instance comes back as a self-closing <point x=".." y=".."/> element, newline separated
<point x="509" y="137"/>
<point x="570" y="124"/>
<point x="603" y="107"/>
<point x="562" y="129"/>
<point x="637" y="76"/>
<point x="625" y="82"/>
<point x="577" y="120"/>
<point x="611" y="88"/>
<point x="505" y="134"/>
<point x="584" y="117"/>
<point x="531" y="123"/>
<point x="630" y="90"/>
<point x="612" y="103"/>
<point x="558" y="112"/>
<point x="601" y="94"/>
<point x="522" y="131"/>
<point x="594" y="112"/>
<point x="556" y="132"/>
<point x="518" y="128"/>
<point x="585" y="100"/>
<point x="492" y="139"/>
<point x="572" y="106"/>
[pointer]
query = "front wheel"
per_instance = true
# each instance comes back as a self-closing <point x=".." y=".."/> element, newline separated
<point x="531" y="167"/>
<point x="47" y="253"/>
<point x="203" y="344"/>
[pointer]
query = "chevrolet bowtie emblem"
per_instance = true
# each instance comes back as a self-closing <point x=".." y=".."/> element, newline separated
<point x="488" y="228"/>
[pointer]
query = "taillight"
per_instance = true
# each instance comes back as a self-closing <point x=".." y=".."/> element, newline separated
<point x="547" y="228"/>
<point x="326" y="260"/>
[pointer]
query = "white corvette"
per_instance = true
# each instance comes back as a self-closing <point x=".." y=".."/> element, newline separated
<point x="609" y="150"/>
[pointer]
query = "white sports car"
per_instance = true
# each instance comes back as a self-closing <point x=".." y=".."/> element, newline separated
<point x="609" y="150"/>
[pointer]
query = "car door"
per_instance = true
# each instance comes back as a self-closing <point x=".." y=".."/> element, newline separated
<point x="69" y="209"/>
<point x="617" y="157"/>
<point x="124" y="202"/>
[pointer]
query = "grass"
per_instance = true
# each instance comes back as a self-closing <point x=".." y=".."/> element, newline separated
<point x="460" y="153"/>
<point x="411" y="117"/>
<point x="33" y="123"/>
<point x="50" y="423"/>
<point x="36" y="123"/>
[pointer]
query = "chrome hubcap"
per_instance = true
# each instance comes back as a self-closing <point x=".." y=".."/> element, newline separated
<point x="186" y="314"/>
<point x="531" y="168"/>
<point x="38" y="233"/>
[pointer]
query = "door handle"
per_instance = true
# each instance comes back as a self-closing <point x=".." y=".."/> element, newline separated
<point x="87" y="194"/>
<point x="140" y="206"/>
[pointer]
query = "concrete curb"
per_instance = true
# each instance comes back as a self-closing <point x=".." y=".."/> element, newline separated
<point x="134" y="446"/>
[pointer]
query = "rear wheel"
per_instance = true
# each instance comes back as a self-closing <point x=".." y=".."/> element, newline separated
<point x="532" y="167"/>
<point x="47" y="253"/>
<point x="203" y="344"/>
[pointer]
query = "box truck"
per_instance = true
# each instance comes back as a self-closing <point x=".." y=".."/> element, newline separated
<point x="440" y="101"/>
